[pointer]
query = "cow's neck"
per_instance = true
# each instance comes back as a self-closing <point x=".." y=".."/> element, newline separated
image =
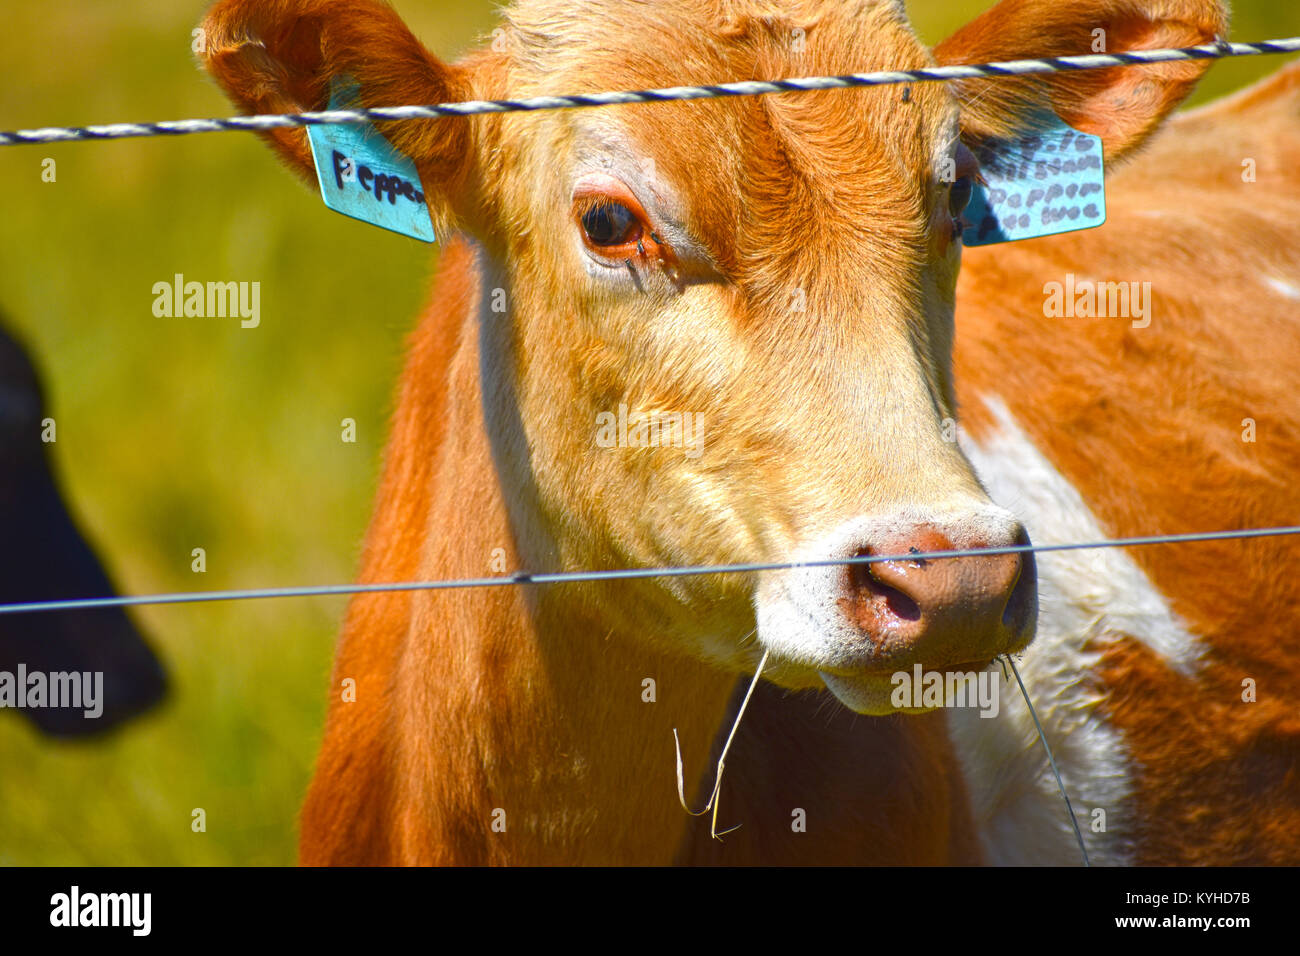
<point x="507" y="700"/>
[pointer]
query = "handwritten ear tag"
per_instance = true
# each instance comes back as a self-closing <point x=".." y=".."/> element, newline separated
<point x="1040" y="183"/>
<point x="361" y="174"/>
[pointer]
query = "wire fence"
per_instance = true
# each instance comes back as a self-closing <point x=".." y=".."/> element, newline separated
<point x="980" y="71"/>
<point x="1047" y="65"/>
<point x="623" y="574"/>
<point x="1013" y="68"/>
<point x="993" y="70"/>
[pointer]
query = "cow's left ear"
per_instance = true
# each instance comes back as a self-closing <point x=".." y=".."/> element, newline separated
<point x="1123" y="105"/>
<point x="280" y="56"/>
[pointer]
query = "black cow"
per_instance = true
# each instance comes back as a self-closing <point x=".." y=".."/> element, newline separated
<point x="43" y="556"/>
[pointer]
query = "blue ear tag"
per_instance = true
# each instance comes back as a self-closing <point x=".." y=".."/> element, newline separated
<point x="361" y="174"/>
<point x="1040" y="183"/>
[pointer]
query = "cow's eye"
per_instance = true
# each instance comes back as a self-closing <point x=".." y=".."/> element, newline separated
<point x="610" y="224"/>
<point x="959" y="196"/>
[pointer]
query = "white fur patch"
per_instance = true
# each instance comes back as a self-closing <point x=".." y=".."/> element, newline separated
<point x="1283" y="288"/>
<point x="1087" y="599"/>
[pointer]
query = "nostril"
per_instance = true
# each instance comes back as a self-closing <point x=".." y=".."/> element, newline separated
<point x="873" y="600"/>
<point x="900" y="605"/>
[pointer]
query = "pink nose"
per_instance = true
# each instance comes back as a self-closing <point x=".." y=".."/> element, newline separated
<point x="941" y="612"/>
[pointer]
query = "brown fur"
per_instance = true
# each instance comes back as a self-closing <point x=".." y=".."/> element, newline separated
<point x="528" y="700"/>
<point x="1147" y="425"/>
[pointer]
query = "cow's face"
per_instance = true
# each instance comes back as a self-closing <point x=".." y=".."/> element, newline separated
<point x="778" y="273"/>
<point x="716" y="331"/>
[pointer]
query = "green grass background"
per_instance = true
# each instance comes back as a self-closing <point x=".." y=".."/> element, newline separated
<point x="184" y="433"/>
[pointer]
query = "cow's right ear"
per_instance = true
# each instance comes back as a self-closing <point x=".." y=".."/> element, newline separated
<point x="279" y="56"/>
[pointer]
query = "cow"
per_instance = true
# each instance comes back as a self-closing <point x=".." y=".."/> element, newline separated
<point x="779" y="276"/>
<point x="46" y="557"/>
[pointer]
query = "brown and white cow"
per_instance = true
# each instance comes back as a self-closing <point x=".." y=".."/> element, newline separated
<point x="786" y="269"/>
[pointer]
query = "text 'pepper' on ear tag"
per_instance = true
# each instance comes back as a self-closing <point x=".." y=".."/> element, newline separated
<point x="361" y="174"/>
<point x="1037" y="184"/>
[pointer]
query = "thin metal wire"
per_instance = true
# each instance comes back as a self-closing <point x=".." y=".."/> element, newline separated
<point x="1078" y="835"/>
<point x="573" y="577"/>
<point x="1046" y="65"/>
<point x="980" y="71"/>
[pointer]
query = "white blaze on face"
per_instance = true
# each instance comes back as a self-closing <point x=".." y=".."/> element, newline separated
<point x="1086" y="598"/>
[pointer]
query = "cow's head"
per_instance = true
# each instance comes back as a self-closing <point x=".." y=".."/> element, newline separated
<point x="46" y="558"/>
<point x="782" y="267"/>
